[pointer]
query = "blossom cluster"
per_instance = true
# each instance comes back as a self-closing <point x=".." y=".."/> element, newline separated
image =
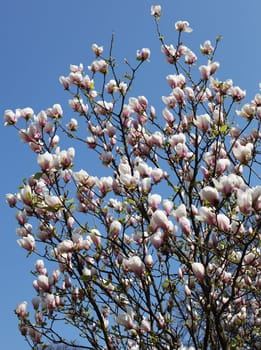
<point x="173" y="228"/>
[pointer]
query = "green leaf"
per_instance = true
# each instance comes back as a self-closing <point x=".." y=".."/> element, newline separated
<point x="37" y="176"/>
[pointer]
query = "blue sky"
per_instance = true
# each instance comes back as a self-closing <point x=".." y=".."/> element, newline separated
<point x="40" y="39"/>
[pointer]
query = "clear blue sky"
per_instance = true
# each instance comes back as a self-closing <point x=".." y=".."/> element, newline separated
<point x="40" y="39"/>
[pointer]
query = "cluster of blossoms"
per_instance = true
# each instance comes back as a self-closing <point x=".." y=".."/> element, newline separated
<point x="164" y="251"/>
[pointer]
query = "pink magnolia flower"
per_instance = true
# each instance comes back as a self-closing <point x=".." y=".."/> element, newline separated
<point x="176" y="80"/>
<point x="148" y="260"/>
<point x="223" y="222"/>
<point x="236" y="93"/>
<point x="98" y="50"/>
<point x="46" y="161"/>
<point x="185" y="225"/>
<point x="27" y="242"/>
<point x="154" y="201"/>
<point x="157" y="239"/>
<point x="244" y="200"/>
<point x="209" y="194"/>
<point x="155" y="11"/>
<point x="168" y="116"/>
<point x="203" y="122"/>
<point x="11" y="199"/>
<point x="43" y="283"/>
<point x="159" y="220"/>
<point x="256" y="198"/>
<point x="180" y="212"/>
<point x="247" y="111"/>
<point x="206" y="48"/>
<point x="39" y="267"/>
<point x="169" y="52"/>
<point x="72" y="125"/>
<point x="183" y="26"/>
<point x="99" y="66"/>
<point x="207" y="215"/>
<point x="126" y="319"/>
<point x="227" y="184"/>
<point x="10" y="117"/>
<point x="143" y="54"/>
<point x="157" y="174"/>
<point x="167" y="206"/>
<point x="21" y="309"/>
<point x="198" y="270"/>
<point x="145" y="326"/>
<point x="115" y="229"/>
<point x="65" y="246"/>
<point x="134" y="264"/>
<point x="243" y="153"/>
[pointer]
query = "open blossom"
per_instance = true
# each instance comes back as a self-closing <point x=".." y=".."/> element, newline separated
<point x="209" y="194"/>
<point x="203" y="122"/>
<point x="183" y="26"/>
<point x="155" y="11"/>
<point x="247" y="111"/>
<point x="159" y="220"/>
<point x="98" y="50"/>
<point x="134" y="264"/>
<point x="126" y="319"/>
<point x="206" y="48"/>
<point x="10" y="117"/>
<point x="154" y="201"/>
<point x="243" y="153"/>
<point x="227" y="184"/>
<point x="143" y="54"/>
<point x="27" y="242"/>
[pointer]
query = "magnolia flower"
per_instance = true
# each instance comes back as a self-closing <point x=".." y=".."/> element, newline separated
<point x="65" y="246"/>
<point x="10" y="117"/>
<point x="27" y="243"/>
<point x="185" y="225"/>
<point x="206" y="215"/>
<point x="126" y="319"/>
<point x="159" y="220"/>
<point x="115" y="229"/>
<point x="154" y="200"/>
<point x="134" y="264"/>
<point x="183" y="26"/>
<point x="145" y="325"/>
<point x="223" y="222"/>
<point x="11" y="199"/>
<point x="244" y="200"/>
<point x="247" y="111"/>
<point x="243" y="153"/>
<point x="72" y="125"/>
<point x="143" y="54"/>
<point x="43" y="282"/>
<point x="198" y="270"/>
<point x="203" y="122"/>
<point x="209" y="194"/>
<point x="21" y="309"/>
<point x="98" y="50"/>
<point x="46" y="161"/>
<point x="180" y="212"/>
<point x="155" y="11"/>
<point x="206" y="48"/>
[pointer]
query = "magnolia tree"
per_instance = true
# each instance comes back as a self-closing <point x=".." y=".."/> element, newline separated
<point x="163" y="252"/>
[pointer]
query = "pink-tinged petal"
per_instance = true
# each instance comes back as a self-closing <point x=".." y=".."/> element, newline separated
<point x="198" y="270"/>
